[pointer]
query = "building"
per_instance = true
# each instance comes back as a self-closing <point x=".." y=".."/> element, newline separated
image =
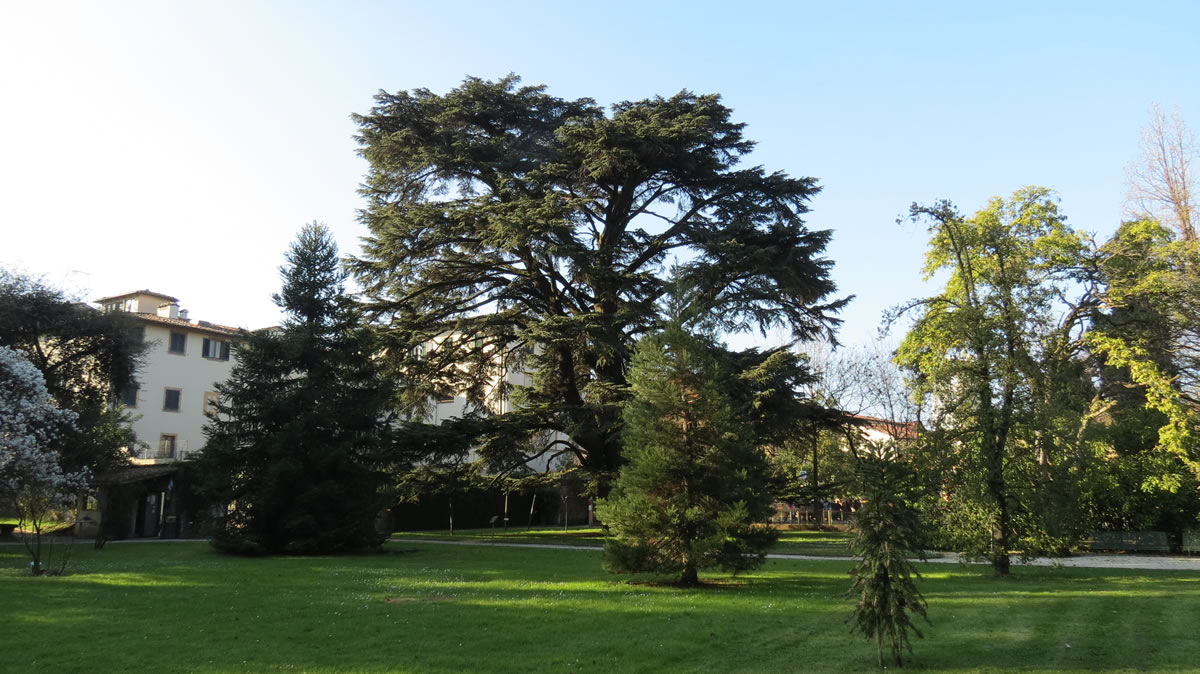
<point x="176" y="387"/>
<point x="176" y="383"/>
<point x="861" y="434"/>
<point x="504" y="377"/>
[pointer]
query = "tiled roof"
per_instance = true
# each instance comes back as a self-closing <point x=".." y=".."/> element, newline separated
<point x="203" y="326"/>
<point x="137" y="292"/>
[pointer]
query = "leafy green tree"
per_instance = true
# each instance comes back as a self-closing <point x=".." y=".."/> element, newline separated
<point x="887" y="534"/>
<point x="86" y="358"/>
<point x="990" y="352"/>
<point x="1144" y="334"/>
<point x="297" y="444"/>
<point x="695" y="487"/>
<point x="520" y="231"/>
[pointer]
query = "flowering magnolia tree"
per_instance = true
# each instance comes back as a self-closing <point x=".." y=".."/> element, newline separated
<point x="32" y="483"/>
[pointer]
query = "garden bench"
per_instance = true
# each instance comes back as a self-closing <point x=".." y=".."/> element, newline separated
<point x="1191" y="542"/>
<point x="1133" y="541"/>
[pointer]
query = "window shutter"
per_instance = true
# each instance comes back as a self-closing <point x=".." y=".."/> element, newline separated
<point x="224" y="350"/>
<point x="207" y="348"/>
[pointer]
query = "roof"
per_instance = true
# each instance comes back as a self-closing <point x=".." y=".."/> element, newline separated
<point x="135" y="293"/>
<point x="136" y="474"/>
<point x="905" y="430"/>
<point x="202" y="326"/>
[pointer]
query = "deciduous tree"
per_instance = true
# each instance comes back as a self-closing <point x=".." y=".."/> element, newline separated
<point x="1162" y="183"/>
<point x="988" y="353"/>
<point x="33" y="483"/>
<point x="85" y="356"/>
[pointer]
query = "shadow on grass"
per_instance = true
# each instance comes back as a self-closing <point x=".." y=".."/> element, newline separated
<point x="449" y="608"/>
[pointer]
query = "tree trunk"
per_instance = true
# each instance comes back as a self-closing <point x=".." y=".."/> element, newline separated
<point x="998" y="488"/>
<point x="818" y="508"/>
<point x="690" y="576"/>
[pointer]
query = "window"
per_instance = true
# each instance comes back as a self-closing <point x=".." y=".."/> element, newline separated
<point x="215" y="349"/>
<point x="166" y="446"/>
<point x="139" y="334"/>
<point x="210" y="403"/>
<point x="445" y="398"/>
<point x="129" y="395"/>
<point x="178" y="343"/>
<point x="123" y="305"/>
<point x="171" y="399"/>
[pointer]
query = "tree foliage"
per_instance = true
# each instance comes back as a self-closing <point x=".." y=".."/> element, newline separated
<point x="301" y="431"/>
<point x="695" y="488"/>
<point x="1144" y="335"/>
<point x="887" y="534"/>
<point x="991" y="355"/>
<point x="33" y="483"/>
<point x="847" y="390"/>
<point x="1060" y="375"/>
<point x="518" y="230"/>
<point x="1162" y="182"/>
<point x="85" y="356"/>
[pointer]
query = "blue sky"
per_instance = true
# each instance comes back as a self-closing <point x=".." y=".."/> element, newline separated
<point x="180" y="146"/>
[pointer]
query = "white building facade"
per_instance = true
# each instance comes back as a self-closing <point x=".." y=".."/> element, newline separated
<point x="176" y="384"/>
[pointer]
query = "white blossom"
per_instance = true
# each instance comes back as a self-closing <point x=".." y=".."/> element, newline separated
<point x="29" y="424"/>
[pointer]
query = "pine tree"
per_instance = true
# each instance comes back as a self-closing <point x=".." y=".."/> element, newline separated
<point x="695" y="487"/>
<point x="300" y="428"/>
<point x="888" y="533"/>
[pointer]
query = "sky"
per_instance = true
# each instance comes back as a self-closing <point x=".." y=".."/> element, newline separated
<point x="180" y="146"/>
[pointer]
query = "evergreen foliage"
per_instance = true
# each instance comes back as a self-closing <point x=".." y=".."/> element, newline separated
<point x="518" y="230"/>
<point x="297" y="445"/>
<point x="887" y="534"/>
<point x="694" y="491"/>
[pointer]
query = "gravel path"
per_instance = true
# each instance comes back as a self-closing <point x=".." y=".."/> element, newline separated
<point x="1157" y="562"/>
<point x="1164" y="563"/>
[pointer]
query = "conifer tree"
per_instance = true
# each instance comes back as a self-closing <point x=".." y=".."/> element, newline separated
<point x="888" y="533"/>
<point x="695" y="487"/>
<point x="537" y="230"/>
<point x="295" y="446"/>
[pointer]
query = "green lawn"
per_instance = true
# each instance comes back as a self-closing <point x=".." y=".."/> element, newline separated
<point x="820" y="543"/>
<point x="183" y="607"/>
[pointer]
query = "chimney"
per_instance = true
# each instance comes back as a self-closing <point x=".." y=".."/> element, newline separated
<point x="183" y="315"/>
<point x="168" y="310"/>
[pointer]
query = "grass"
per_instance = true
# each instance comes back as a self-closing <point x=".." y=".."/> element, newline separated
<point x="183" y="607"/>
<point x="816" y="543"/>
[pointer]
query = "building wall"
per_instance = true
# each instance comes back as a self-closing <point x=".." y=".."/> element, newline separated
<point x="191" y="374"/>
<point x="443" y="410"/>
